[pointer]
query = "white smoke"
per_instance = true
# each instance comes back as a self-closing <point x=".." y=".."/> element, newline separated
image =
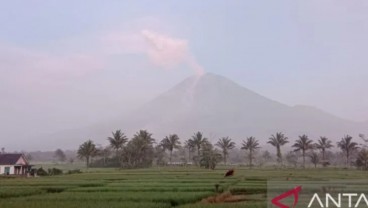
<point x="168" y="52"/>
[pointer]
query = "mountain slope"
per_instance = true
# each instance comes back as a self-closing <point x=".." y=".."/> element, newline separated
<point x="219" y="107"/>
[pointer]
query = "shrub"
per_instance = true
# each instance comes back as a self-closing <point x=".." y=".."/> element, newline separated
<point x="41" y="172"/>
<point x="55" y="171"/>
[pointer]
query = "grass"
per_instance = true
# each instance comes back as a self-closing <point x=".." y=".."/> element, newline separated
<point x="155" y="187"/>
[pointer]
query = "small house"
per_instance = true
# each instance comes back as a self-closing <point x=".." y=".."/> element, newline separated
<point x="14" y="164"/>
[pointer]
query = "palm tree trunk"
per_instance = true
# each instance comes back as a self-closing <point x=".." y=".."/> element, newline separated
<point x="87" y="161"/>
<point x="279" y="157"/>
<point x="189" y="155"/>
<point x="224" y="158"/>
<point x="250" y="158"/>
<point x="117" y="155"/>
<point x="303" y="158"/>
<point x="198" y="157"/>
<point x="347" y="159"/>
<point x="170" y="156"/>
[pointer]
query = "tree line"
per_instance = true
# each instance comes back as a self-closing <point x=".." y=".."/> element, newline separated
<point x="142" y="151"/>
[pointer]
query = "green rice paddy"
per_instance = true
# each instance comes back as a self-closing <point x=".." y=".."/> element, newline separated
<point x="180" y="187"/>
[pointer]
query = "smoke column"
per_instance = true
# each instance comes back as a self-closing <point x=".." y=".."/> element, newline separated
<point x="168" y="52"/>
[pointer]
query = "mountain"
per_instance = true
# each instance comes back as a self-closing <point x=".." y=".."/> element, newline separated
<point x="218" y="107"/>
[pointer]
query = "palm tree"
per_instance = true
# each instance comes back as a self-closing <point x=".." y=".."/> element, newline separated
<point x="198" y="141"/>
<point x="189" y="144"/>
<point x="347" y="146"/>
<point x="170" y="143"/>
<point x="323" y="144"/>
<point x="225" y="144"/>
<point x="250" y="144"/>
<point x="303" y="144"/>
<point x="117" y="142"/>
<point x="139" y="152"/>
<point x="86" y="151"/>
<point x="277" y="141"/>
<point x="143" y="140"/>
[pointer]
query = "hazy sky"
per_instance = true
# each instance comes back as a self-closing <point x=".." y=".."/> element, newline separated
<point x="65" y="64"/>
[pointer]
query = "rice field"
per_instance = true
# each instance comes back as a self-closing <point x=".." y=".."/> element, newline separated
<point x="155" y="187"/>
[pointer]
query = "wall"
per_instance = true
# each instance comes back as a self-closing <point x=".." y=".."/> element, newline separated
<point x="2" y="169"/>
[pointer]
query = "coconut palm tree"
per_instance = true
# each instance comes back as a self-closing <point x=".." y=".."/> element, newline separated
<point x="189" y="144"/>
<point x="198" y="140"/>
<point x="225" y="144"/>
<point x="347" y="146"/>
<point x="303" y="144"/>
<point x="250" y="144"/>
<point x="323" y="144"/>
<point x="278" y="141"/>
<point x="139" y="151"/>
<point x="117" y="142"/>
<point x="170" y="143"/>
<point x="86" y="151"/>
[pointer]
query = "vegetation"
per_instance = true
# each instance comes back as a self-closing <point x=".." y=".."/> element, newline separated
<point x="251" y="144"/>
<point x="190" y="146"/>
<point x="303" y="144"/>
<point x="141" y="182"/>
<point x="225" y="144"/>
<point x="154" y="187"/>
<point x="209" y="157"/>
<point x="324" y="144"/>
<point x="314" y="158"/>
<point x="142" y="151"/>
<point x="348" y="147"/>
<point x="139" y="152"/>
<point x="197" y="141"/>
<point x="278" y="141"/>
<point x="362" y="159"/>
<point x="117" y="142"/>
<point x="170" y="143"/>
<point x="86" y="151"/>
<point x="60" y="155"/>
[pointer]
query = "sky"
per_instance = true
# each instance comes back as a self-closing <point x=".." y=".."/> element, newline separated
<point x="67" y="64"/>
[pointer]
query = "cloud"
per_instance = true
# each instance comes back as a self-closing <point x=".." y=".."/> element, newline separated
<point x="29" y="66"/>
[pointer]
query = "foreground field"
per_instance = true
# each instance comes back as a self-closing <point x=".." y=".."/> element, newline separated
<point x="156" y="188"/>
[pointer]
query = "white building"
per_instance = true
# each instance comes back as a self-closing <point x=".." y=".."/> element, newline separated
<point x="14" y="164"/>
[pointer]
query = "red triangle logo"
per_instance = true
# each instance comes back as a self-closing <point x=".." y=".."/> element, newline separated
<point x="293" y="192"/>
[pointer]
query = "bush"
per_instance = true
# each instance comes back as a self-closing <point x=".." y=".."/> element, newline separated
<point x="55" y="171"/>
<point x="41" y="172"/>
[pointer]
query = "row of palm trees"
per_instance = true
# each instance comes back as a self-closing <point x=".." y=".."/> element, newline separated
<point x="120" y="144"/>
<point x="303" y="145"/>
